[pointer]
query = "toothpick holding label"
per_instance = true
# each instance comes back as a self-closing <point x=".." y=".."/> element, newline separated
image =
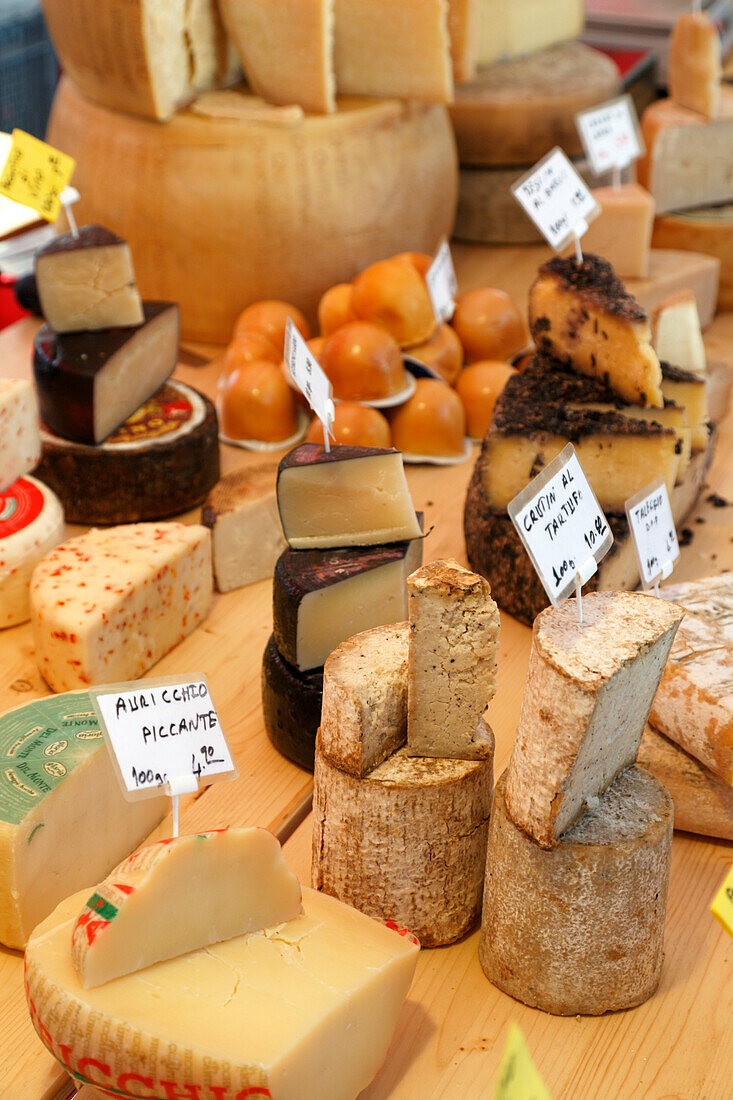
<point x="652" y="525"/>
<point x="164" y="736"/>
<point x="558" y="201"/>
<point x="562" y="527"/>
<point x="35" y="174"/>
<point x="611" y="136"/>
<point x="311" y="380"/>
<point x="442" y="284"/>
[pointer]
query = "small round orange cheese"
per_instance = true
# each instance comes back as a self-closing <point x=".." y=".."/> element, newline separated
<point x="443" y="352"/>
<point x="357" y="425"/>
<point x="258" y="403"/>
<point x="432" y="422"/>
<point x="395" y="296"/>
<point x="271" y="317"/>
<point x="250" y="344"/>
<point x="363" y="363"/>
<point x="478" y="387"/>
<point x="489" y="325"/>
<point x="419" y="260"/>
<point x="334" y="308"/>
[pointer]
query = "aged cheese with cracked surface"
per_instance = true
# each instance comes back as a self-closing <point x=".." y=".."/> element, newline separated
<point x="579" y="929"/>
<point x="107" y="605"/>
<point x="589" y="690"/>
<point x="87" y="282"/>
<point x="364" y="714"/>
<point x="676" y="332"/>
<point x="407" y="842"/>
<point x="143" y="56"/>
<point x="31" y="524"/>
<point x="622" y="232"/>
<point x="140" y="914"/>
<point x="690" y="392"/>
<point x="348" y="496"/>
<point x="511" y="28"/>
<point x="57" y="781"/>
<point x="322" y="597"/>
<point x="246" y="533"/>
<point x="703" y="802"/>
<point x="303" y="1010"/>
<point x="708" y="230"/>
<point x="20" y="438"/>
<point x="582" y="315"/>
<point x="454" y="637"/>
<point x="694" y="70"/>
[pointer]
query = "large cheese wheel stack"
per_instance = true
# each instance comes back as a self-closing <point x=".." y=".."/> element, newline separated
<point x="353" y="536"/>
<point x="577" y="829"/>
<point x="404" y="760"/>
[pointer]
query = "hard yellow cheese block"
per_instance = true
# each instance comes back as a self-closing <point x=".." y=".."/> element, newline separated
<point x="140" y="914"/>
<point x="695" y="68"/>
<point x="622" y="233"/>
<point x="301" y="1011"/>
<point x="510" y="28"/>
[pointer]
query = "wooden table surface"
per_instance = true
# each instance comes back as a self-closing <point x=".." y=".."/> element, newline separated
<point x="451" y="1034"/>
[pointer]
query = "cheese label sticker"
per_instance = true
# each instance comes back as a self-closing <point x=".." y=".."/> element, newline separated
<point x="561" y="525"/>
<point x="556" y="199"/>
<point x="655" y="539"/>
<point x="35" y="174"/>
<point x="518" y="1076"/>
<point x="20" y="505"/>
<point x="722" y="907"/>
<point x="442" y="284"/>
<point x="310" y="378"/>
<point x="163" y="734"/>
<point x="610" y="134"/>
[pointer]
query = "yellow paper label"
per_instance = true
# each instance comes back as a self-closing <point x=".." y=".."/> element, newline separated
<point x="35" y="174"/>
<point x="722" y="907"/>
<point x="518" y="1077"/>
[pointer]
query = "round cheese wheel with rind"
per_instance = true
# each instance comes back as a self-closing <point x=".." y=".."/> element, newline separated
<point x="709" y="230"/>
<point x="291" y="706"/>
<point x="31" y="524"/>
<point x="221" y="212"/>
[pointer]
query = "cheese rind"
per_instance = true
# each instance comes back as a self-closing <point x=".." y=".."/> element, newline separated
<point x="579" y="930"/>
<point x="704" y="230"/>
<point x="140" y="915"/>
<point x="20" y="439"/>
<point x="31" y="524"/>
<point x="676" y="333"/>
<point x="56" y="782"/>
<point x="107" y="605"/>
<point x="291" y="706"/>
<point x="703" y="803"/>
<point x="304" y="1009"/>
<point x="246" y="533"/>
<point x="695" y="69"/>
<point x="622" y="232"/>
<point x="589" y="691"/>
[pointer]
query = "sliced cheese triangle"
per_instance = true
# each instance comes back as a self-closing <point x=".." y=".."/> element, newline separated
<point x="179" y="895"/>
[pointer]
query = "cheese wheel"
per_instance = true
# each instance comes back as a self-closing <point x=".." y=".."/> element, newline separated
<point x="708" y="229"/>
<point x="703" y="803"/>
<point x="220" y="212"/>
<point x="513" y="112"/>
<point x="31" y="524"/>
<point x="291" y="706"/>
<point x="579" y="929"/>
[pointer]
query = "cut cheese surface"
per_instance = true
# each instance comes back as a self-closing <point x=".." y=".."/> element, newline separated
<point x="303" y="1010"/>
<point x="511" y="28"/>
<point x="676" y="333"/>
<point x="56" y="777"/>
<point x="20" y="439"/>
<point x="707" y="230"/>
<point x="107" y="605"/>
<point x="694" y="69"/>
<point x="140" y="914"/>
<point x="590" y="687"/>
<point x="350" y="496"/>
<point x="247" y="537"/>
<point x="690" y="392"/>
<point x="31" y="524"/>
<point x="622" y="232"/>
<point x="582" y="315"/>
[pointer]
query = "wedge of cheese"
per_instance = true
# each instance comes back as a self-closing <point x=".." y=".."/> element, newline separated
<point x="302" y="1010"/>
<point x="246" y="533"/>
<point x="512" y="28"/>
<point x="690" y="392"/>
<point x="622" y="232"/>
<point x="590" y="688"/>
<point x="676" y="332"/>
<point x="463" y="28"/>
<point x="20" y="436"/>
<point x="582" y="315"/>
<point x="139" y="915"/>
<point x="703" y="802"/>
<point x="695" y="69"/>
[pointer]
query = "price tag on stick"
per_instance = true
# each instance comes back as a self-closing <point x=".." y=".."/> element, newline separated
<point x="562" y="527"/>
<point x="611" y="136"/>
<point x="310" y="379"/>
<point x="35" y="174"/>
<point x="557" y="200"/>
<point x="655" y="539"/>
<point x="442" y="284"/>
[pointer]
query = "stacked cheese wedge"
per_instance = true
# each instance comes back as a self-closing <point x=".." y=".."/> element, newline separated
<point x="404" y="760"/>
<point x="597" y="382"/>
<point x="578" y="859"/>
<point x="353" y="537"/>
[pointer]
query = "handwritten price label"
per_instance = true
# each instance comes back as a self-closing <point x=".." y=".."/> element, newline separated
<point x="35" y="174"/>
<point x="652" y="525"/>
<point x="610" y="134"/>
<point x="722" y="907"/>
<point x="561" y="524"/>
<point x="160" y="731"/>
<point x="442" y="284"/>
<point x="556" y="199"/>
<point x="309" y="377"/>
<point x="518" y="1076"/>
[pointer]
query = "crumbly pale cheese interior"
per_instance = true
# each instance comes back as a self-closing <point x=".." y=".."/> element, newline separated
<point x="677" y="336"/>
<point x="20" y="439"/>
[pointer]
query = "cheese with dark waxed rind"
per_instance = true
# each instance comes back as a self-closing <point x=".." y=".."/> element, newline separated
<point x="291" y="706"/>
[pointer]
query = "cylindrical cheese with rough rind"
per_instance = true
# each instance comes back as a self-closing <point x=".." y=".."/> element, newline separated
<point x="282" y="211"/>
<point x="579" y="930"/>
<point x="406" y="843"/>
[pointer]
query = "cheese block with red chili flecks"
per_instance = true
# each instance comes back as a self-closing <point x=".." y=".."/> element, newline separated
<point x="140" y="914"/>
<point x="107" y="605"/>
<point x="20" y="437"/>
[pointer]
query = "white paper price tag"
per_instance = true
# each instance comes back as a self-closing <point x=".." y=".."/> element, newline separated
<point x="163" y="732"/>
<point x="610" y="134"/>
<point x="310" y="378"/>
<point x="442" y="284"/>
<point x="562" y="525"/>
<point x="655" y="538"/>
<point x="556" y="199"/>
